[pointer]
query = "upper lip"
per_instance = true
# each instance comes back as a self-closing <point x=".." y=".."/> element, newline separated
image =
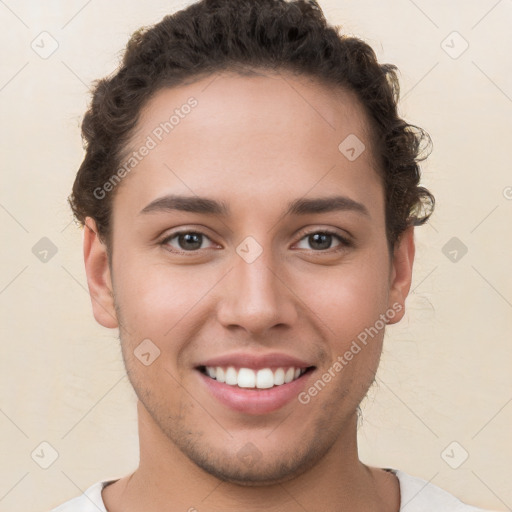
<point x="254" y="361"/>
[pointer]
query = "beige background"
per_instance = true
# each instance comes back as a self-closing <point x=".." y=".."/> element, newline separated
<point x="446" y="369"/>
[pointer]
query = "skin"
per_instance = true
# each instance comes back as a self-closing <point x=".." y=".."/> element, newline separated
<point x="256" y="143"/>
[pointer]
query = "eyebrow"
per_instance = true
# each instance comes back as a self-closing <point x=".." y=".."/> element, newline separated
<point x="204" y="205"/>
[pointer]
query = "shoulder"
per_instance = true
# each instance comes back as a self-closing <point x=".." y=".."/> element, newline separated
<point x="89" y="501"/>
<point x="419" y="495"/>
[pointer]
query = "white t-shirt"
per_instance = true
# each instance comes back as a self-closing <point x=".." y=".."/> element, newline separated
<point x="416" y="495"/>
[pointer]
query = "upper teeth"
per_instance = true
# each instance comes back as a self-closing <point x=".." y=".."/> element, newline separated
<point x="248" y="378"/>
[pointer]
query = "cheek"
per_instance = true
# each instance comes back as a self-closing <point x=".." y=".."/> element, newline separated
<point x="350" y="298"/>
<point x="165" y="304"/>
<point x="155" y="304"/>
<point x="155" y="296"/>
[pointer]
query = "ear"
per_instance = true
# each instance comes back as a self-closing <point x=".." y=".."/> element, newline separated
<point x="401" y="274"/>
<point x="98" y="276"/>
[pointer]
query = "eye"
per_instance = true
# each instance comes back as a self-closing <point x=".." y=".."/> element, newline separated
<point x="322" y="240"/>
<point x="192" y="241"/>
<point x="187" y="241"/>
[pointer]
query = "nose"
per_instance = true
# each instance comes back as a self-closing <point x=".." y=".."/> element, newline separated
<point x="256" y="297"/>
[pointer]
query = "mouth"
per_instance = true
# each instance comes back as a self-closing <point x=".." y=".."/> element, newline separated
<point x="250" y="378"/>
<point x="254" y="386"/>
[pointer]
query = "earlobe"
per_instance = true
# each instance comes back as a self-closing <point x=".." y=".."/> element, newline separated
<point x="99" y="279"/>
<point x="401" y="273"/>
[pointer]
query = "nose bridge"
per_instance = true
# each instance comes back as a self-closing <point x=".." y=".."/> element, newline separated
<point x="255" y="298"/>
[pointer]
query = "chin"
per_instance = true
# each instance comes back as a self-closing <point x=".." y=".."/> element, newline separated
<point x="261" y="474"/>
<point x="251" y="468"/>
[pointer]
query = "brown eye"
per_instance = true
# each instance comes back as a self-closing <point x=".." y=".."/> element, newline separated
<point x="186" y="241"/>
<point x="322" y="241"/>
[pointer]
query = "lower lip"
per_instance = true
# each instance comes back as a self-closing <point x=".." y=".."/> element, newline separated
<point x="255" y="401"/>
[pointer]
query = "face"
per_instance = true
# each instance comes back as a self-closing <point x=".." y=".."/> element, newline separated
<point x="283" y="264"/>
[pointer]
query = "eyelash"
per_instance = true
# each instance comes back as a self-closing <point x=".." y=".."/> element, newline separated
<point x="345" y="242"/>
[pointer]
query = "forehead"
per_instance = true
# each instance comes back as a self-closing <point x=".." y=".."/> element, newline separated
<point x="265" y="103"/>
<point x="259" y="136"/>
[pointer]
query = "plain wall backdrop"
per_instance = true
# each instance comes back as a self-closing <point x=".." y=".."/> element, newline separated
<point x="444" y="388"/>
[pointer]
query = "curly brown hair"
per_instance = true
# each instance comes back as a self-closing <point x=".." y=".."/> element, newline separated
<point x="212" y="36"/>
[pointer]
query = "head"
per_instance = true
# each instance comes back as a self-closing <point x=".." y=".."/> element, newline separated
<point x="249" y="188"/>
